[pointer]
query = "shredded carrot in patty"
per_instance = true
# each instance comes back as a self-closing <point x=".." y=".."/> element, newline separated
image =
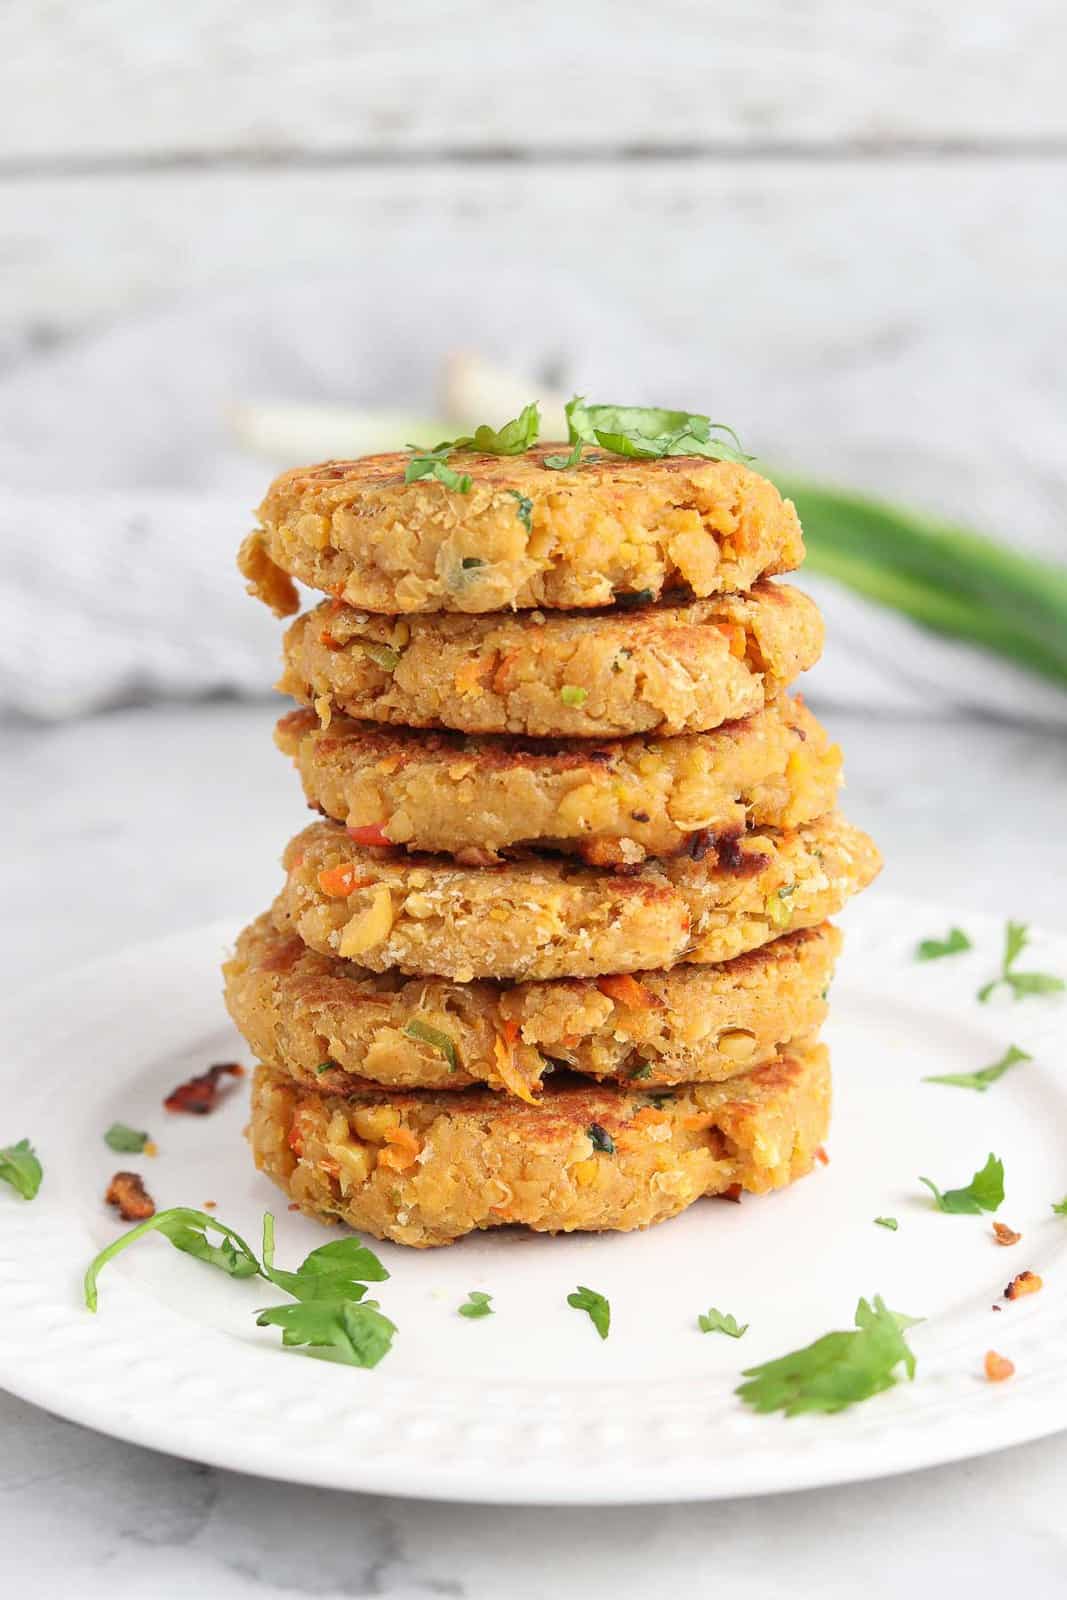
<point x="626" y="991"/>
<point x="370" y="833"/>
<point x="403" y="1149"/>
<point x="736" y="635"/>
<point x="506" y="1065"/>
<point x="339" y="882"/>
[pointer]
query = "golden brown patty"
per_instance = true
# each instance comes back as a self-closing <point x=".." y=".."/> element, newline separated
<point x="479" y="795"/>
<point x="662" y="669"/>
<point x="551" y="917"/>
<point x="524" y="535"/>
<point x="424" y="1169"/>
<point x="325" y="1021"/>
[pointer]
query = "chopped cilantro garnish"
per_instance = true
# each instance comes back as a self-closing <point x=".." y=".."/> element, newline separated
<point x="120" y="1137"/>
<point x="648" y="433"/>
<point x="933" y="949"/>
<point x="510" y="440"/>
<point x="981" y="1079"/>
<point x="564" y="463"/>
<point x="714" y="1321"/>
<point x="1060" y="1207"/>
<point x="434" y="464"/>
<point x="838" y="1370"/>
<point x="985" y="1192"/>
<point x="187" y="1231"/>
<point x="476" y="1304"/>
<point x="573" y="695"/>
<point x="1021" y="984"/>
<point x="595" y="1305"/>
<point x="437" y="1039"/>
<point x="20" y="1168"/>
<point x="357" y="1331"/>
<point x="601" y="1138"/>
<point x="524" y="509"/>
<point x="887" y="1222"/>
<point x="339" y="1270"/>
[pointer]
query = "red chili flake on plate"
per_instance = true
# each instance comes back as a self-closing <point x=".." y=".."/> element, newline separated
<point x="820" y="1155"/>
<point x="200" y="1094"/>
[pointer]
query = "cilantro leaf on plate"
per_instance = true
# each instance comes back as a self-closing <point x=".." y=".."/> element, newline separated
<point x="933" y="949"/>
<point x="339" y="1270"/>
<point x="358" y="1331"/>
<point x="476" y="1304"/>
<point x="982" y="1079"/>
<point x="186" y="1230"/>
<point x="595" y="1305"/>
<point x="120" y="1137"/>
<point x="838" y="1370"/>
<point x="1021" y="984"/>
<point x="714" y="1321"/>
<point x="1060" y="1207"/>
<point x="20" y="1168"/>
<point x="887" y="1222"/>
<point x="985" y="1192"/>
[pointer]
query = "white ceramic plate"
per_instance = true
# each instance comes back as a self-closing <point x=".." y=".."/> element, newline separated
<point x="528" y="1405"/>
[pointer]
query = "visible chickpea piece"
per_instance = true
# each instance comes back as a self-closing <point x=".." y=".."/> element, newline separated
<point x="737" y="1045"/>
<point x="584" y="1173"/>
<point x="371" y="1122"/>
<point x="370" y="927"/>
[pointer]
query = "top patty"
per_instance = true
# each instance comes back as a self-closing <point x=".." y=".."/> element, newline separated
<point x="612" y="803"/>
<point x="665" y="669"/>
<point x="523" y="536"/>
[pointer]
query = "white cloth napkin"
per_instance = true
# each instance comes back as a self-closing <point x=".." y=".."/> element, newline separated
<point x="124" y="492"/>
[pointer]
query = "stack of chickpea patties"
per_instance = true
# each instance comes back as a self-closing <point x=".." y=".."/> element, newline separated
<point x="557" y="953"/>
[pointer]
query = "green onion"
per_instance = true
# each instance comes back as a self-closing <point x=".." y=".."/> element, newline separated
<point x="382" y="656"/>
<point x="434" y="1037"/>
<point x="952" y="581"/>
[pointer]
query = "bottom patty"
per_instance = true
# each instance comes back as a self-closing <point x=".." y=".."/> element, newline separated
<point x="425" y="1168"/>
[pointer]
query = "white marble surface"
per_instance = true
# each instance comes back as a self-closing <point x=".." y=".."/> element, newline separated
<point x="137" y="823"/>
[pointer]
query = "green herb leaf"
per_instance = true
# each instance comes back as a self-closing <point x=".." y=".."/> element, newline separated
<point x="434" y="464"/>
<point x="648" y="433"/>
<point x="340" y="1270"/>
<point x="1021" y="984"/>
<point x="442" y="1042"/>
<point x="120" y="1137"/>
<point x="838" y="1370"/>
<point x="20" y="1168"/>
<point x="573" y="695"/>
<point x="187" y="1231"/>
<point x="357" y="1330"/>
<point x="888" y="1222"/>
<point x="1061" y="1208"/>
<point x="721" y="1322"/>
<point x="524" y="509"/>
<point x="476" y="1304"/>
<point x="985" y="1192"/>
<point x="643" y="1071"/>
<point x="324" y="1066"/>
<point x="510" y="440"/>
<point x="595" y="1305"/>
<point x="382" y="655"/>
<point x="565" y="463"/>
<point x="981" y="1079"/>
<point x="601" y="1138"/>
<point x="933" y="949"/>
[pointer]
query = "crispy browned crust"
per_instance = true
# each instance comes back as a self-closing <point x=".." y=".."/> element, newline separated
<point x="326" y="1021"/>
<point x="524" y="536"/>
<point x="663" y="669"/>
<point x="544" y="917"/>
<point x="612" y="803"/>
<point x="424" y="1169"/>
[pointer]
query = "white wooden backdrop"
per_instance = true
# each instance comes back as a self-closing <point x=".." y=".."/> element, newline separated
<point x="854" y="216"/>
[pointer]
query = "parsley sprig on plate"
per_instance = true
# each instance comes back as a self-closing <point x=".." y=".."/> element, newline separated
<point x="985" y="1192"/>
<point x="328" y="1288"/>
<point x="1021" y="984"/>
<point x="596" y="1307"/>
<point x="839" y="1369"/>
<point x="985" y="1076"/>
<point x="20" y="1168"/>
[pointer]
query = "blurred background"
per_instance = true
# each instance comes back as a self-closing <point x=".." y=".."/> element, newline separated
<point x="239" y="237"/>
